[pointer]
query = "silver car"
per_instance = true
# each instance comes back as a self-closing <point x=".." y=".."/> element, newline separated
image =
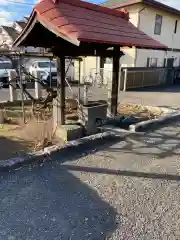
<point x="5" y="66"/>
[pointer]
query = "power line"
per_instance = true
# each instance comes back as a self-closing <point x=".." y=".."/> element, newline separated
<point x="18" y="11"/>
<point x="16" y="2"/>
<point x="7" y="17"/>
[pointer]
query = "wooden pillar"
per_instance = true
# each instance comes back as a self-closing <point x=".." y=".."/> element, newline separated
<point x="113" y="86"/>
<point x="61" y="90"/>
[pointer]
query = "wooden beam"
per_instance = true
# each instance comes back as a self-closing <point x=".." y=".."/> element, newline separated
<point x="85" y="51"/>
<point x="113" y="101"/>
<point x="61" y="89"/>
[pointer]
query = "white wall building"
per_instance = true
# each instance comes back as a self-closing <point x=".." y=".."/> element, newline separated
<point x="160" y="22"/>
<point x="9" y="33"/>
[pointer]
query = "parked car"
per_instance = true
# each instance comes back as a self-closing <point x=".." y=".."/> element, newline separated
<point x="5" y="66"/>
<point x="45" y="68"/>
<point x="48" y="70"/>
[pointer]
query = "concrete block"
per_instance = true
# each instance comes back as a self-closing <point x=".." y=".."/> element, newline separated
<point x="69" y="132"/>
<point x="92" y="116"/>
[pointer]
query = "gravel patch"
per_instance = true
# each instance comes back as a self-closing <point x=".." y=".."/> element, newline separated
<point x="148" y="205"/>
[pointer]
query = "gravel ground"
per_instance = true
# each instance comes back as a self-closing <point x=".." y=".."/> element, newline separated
<point x="138" y="177"/>
<point x="123" y="190"/>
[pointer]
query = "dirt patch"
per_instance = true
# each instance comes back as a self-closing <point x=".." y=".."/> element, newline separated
<point x="16" y="140"/>
<point x="141" y="112"/>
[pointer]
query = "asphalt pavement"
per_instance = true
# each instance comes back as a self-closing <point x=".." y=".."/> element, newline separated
<point x="123" y="190"/>
<point x="49" y="203"/>
<point x="164" y="97"/>
<point x="93" y="93"/>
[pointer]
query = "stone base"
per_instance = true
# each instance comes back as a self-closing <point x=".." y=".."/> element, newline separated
<point x="92" y="116"/>
<point x="69" y="132"/>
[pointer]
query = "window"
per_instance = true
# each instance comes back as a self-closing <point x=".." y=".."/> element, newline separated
<point x="175" y="27"/>
<point x="152" y="62"/>
<point x="46" y="64"/>
<point x="158" y="24"/>
<point x="5" y="65"/>
<point x="169" y="62"/>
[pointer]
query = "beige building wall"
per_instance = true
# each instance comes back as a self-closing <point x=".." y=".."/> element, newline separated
<point x="143" y="17"/>
<point x="88" y="66"/>
<point x="167" y="36"/>
<point x="128" y="60"/>
<point x="144" y="54"/>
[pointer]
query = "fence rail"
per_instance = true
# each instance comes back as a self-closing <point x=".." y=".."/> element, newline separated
<point x="142" y="77"/>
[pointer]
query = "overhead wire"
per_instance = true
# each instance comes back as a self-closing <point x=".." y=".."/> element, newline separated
<point x="17" y="2"/>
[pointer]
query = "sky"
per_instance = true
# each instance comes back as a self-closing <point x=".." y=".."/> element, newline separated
<point x="11" y="10"/>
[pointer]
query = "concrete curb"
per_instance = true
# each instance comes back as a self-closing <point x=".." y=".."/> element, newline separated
<point x="75" y="145"/>
<point x="154" y="123"/>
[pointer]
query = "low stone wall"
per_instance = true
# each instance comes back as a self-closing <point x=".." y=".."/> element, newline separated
<point x="14" y="103"/>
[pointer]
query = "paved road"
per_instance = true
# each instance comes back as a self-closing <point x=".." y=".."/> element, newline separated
<point x="167" y="97"/>
<point x="94" y="93"/>
<point x="124" y="190"/>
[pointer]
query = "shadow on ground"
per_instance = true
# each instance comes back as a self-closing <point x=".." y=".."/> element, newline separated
<point x="50" y="203"/>
<point x="161" y="144"/>
<point x="121" y="173"/>
<point x="10" y="148"/>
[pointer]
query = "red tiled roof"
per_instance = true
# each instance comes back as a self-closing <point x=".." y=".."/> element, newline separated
<point x="85" y="22"/>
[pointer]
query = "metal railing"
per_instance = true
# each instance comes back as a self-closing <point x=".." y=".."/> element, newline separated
<point x="145" y="77"/>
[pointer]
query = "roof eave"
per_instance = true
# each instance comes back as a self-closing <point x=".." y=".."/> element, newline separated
<point x="127" y="4"/>
<point x="30" y="24"/>
<point x="34" y="18"/>
<point x="154" y="4"/>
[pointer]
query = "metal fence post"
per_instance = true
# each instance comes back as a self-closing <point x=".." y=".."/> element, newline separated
<point x="22" y="91"/>
<point x="143" y="79"/>
<point x="85" y="94"/>
<point x="119" y="79"/>
<point x="125" y="79"/>
<point x="37" y="85"/>
<point x="12" y="85"/>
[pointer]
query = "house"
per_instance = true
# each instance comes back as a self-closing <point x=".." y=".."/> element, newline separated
<point x="7" y="36"/>
<point x="160" y="22"/>
<point x="9" y="33"/>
